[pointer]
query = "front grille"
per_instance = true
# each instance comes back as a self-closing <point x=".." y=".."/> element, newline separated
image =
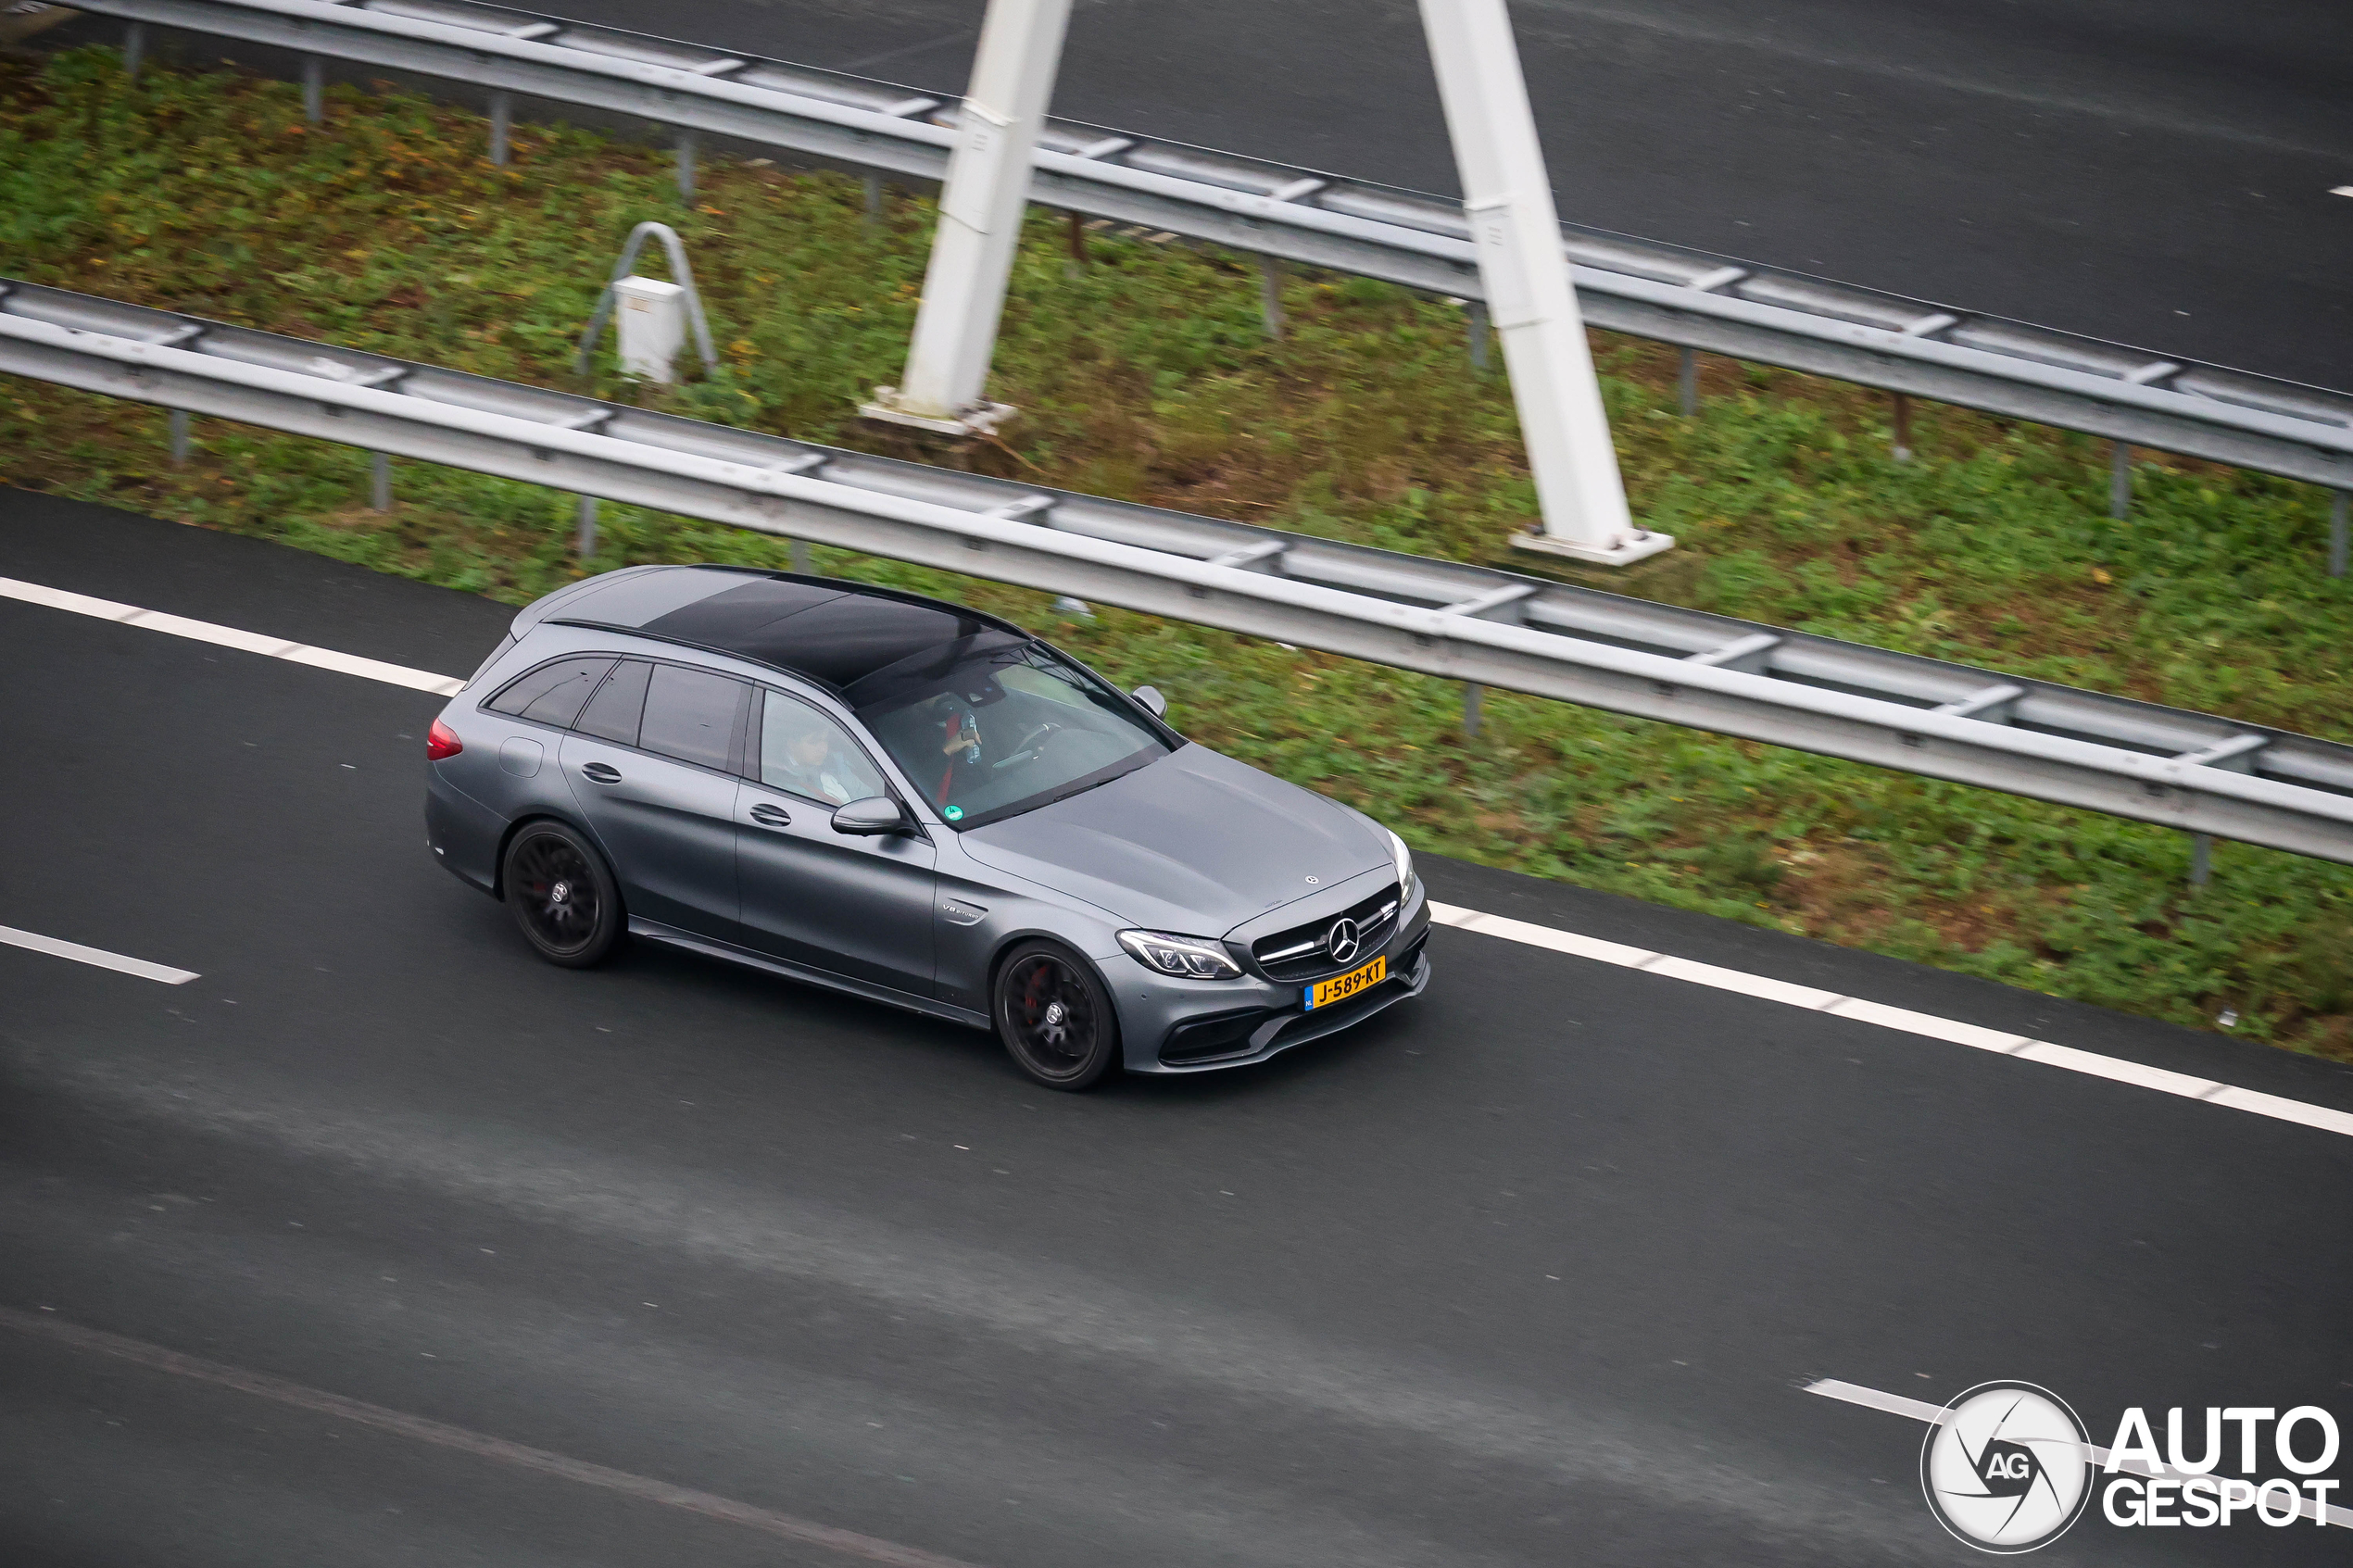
<point x="1304" y="952"/>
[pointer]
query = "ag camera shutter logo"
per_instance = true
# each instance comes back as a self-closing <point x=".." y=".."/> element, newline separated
<point x="2007" y="1468"/>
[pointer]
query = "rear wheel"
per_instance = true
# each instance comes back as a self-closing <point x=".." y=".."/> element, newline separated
<point x="1056" y="1017"/>
<point x="561" y="894"/>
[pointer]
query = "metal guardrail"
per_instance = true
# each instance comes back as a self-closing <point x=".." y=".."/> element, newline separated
<point x="1923" y="716"/>
<point x="1669" y="294"/>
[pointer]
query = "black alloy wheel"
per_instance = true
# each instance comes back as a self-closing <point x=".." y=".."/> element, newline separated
<point x="1056" y="1017"/>
<point x="562" y="896"/>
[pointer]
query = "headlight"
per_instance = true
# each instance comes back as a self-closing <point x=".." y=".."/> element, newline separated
<point x="1190" y="957"/>
<point x="1404" y="861"/>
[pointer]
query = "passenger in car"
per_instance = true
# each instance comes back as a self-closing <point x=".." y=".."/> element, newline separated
<point x="812" y="766"/>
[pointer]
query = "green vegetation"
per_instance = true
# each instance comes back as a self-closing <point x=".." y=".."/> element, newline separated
<point x="1144" y="374"/>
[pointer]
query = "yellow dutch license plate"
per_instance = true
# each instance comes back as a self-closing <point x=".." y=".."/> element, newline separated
<point x="1324" y="993"/>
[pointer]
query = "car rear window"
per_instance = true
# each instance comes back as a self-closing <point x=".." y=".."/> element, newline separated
<point x="613" y="713"/>
<point x="553" y="693"/>
<point x="691" y="715"/>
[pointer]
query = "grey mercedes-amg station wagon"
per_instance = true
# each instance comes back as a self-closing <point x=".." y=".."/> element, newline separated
<point x="917" y="803"/>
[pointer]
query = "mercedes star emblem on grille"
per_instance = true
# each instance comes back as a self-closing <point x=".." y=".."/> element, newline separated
<point x="1341" y="943"/>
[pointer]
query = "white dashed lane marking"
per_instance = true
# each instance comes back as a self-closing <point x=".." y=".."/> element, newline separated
<point x="1903" y="1020"/>
<point x="230" y="637"/>
<point x="1763" y="987"/>
<point x="34" y="942"/>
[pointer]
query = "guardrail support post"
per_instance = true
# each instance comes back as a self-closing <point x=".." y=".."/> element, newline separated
<point x="1523" y="270"/>
<point x="178" y="426"/>
<point x="981" y="205"/>
<point x="2120" y="479"/>
<point x="1470" y="709"/>
<point x="800" y="556"/>
<point x="1481" y="328"/>
<point x="314" y="89"/>
<point x="1687" y="382"/>
<point x="134" y="49"/>
<point x="1901" y="446"/>
<point x="501" y="122"/>
<point x="1270" y="295"/>
<point x="685" y="166"/>
<point x="2338" y="531"/>
<point x="872" y="220"/>
<point x="585" y="536"/>
<point x="380" y="481"/>
<point x="2201" y="860"/>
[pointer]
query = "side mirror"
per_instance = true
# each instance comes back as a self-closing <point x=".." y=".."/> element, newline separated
<point x="1150" y="696"/>
<point x="877" y="816"/>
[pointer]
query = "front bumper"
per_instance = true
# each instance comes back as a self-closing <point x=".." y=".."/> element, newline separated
<point x="1176" y="1026"/>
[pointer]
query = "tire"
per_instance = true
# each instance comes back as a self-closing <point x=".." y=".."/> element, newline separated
<point x="1054" y="1015"/>
<point x="562" y="896"/>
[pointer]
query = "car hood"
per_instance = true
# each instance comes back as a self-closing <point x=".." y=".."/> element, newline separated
<point x="1196" y="843"/>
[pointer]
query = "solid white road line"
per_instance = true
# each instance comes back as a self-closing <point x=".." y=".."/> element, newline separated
<point x="230" y="637"/>
<point x="1900" y="1018"/>
<point x="1921" y="1410"/>
<point x="98" y="955"/>
<point x="1763" y="987"/>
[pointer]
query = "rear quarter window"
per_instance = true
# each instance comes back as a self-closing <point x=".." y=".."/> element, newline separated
<point x="552" y="694"/>
<point x="613" y="713"/>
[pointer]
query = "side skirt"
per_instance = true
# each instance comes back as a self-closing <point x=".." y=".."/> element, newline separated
<point x="654" y="931"/>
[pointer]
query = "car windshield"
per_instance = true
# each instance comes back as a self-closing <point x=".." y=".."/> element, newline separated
<point x="993" y="725"/>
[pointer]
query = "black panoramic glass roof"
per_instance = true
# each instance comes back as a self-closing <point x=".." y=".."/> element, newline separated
<point x="834" y="633"/>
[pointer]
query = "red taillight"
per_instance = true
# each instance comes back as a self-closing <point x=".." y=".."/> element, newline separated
<point x="442" y="741"/>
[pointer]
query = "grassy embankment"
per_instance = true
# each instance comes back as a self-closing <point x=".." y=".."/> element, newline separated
<point x="1145" y="375"/>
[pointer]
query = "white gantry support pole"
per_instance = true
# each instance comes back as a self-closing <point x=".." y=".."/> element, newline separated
<point x="981" y="205"/>
<point x="1523" y="271"/>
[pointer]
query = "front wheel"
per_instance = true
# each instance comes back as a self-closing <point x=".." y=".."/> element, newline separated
<point x="561" y="894"/>
<point x="1056" y="1017"/>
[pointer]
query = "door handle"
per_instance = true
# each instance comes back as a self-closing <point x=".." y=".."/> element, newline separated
<point x="769" y="816"/>
<point x="601" y="772"/>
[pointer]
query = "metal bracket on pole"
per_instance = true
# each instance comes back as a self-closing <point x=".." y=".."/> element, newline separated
<point x="682" y="274"/>
<point x="981" y="205"/>
<point x="1524" y="272"/>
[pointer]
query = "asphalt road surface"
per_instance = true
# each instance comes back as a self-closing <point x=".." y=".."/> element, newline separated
<point x="2155" y="171"/>
<point x="414" y="1249"/>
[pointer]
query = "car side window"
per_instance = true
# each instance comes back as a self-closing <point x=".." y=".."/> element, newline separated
<point x="805" y="752"/>
<point x="553" y="693"/>
<point x="613" y="712"/>
<point x="690" y="714"/>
